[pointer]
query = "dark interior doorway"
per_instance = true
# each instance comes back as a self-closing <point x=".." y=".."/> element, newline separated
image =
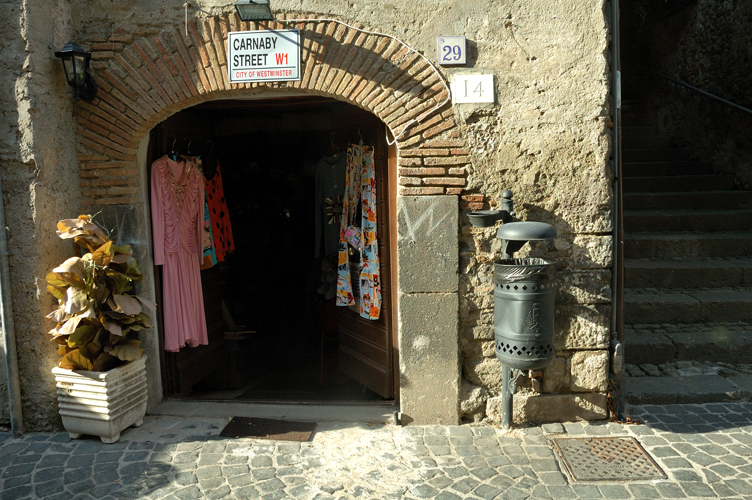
<point x="272" y="335"/>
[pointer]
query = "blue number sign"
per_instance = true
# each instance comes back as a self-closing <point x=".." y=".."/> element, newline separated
<point x="452" y="50"/>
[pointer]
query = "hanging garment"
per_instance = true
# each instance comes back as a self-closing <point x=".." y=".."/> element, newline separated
<point x="329" y="188"/>
<point x="177" y="199"/>
<point x="220" y="216"/>
<point x="361" y="190"/>
<point x="210" y="252"/>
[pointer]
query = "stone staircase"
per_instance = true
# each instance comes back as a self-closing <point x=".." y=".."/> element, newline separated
<point x="688" y="275"/>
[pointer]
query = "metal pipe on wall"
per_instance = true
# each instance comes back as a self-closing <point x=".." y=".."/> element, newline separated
<point x="9" y="332"/>
<point x="617" y="273"/>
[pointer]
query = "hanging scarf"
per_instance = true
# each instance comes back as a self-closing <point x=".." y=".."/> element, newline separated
<point x="360" y="188"/>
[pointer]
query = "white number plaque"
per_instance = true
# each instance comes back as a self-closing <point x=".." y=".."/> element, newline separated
<point x="472" y="89"/>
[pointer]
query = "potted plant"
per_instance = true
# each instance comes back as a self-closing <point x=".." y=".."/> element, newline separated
<point x="101" y="375"/>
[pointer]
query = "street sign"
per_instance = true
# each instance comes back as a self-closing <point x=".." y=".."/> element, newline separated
<point x="263" y="56"/>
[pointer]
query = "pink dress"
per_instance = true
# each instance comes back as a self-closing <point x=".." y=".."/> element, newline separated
<point x="177" y="213"/>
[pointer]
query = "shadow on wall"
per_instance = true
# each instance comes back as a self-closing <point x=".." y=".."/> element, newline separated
<point x="703" y="43"/>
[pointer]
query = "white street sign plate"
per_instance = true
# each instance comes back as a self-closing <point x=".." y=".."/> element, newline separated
<point x="472" y="89"/>
<point x="263" y="56"/>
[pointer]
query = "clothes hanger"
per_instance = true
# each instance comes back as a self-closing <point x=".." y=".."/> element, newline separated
<point x="173" y="151"/>
<point x="334" y="147"/>
<point x="210" y="163"/>
<point x="188" y="149"/>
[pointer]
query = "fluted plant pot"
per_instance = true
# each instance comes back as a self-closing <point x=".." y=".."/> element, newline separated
<point x="102" y="404"/>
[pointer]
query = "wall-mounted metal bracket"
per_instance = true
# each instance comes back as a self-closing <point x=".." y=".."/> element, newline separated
<point x="516" y="374"/>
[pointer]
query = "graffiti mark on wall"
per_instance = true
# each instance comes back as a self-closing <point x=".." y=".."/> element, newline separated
<point x="427" y="217"/>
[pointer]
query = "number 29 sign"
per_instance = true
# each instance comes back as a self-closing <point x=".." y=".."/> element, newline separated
<point x="452" y="50"/>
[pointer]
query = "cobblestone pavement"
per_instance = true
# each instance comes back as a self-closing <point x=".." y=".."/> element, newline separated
<point x="705" y="451"/>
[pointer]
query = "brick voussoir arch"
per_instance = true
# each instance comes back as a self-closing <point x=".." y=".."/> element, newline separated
<point x="146" y="78"/>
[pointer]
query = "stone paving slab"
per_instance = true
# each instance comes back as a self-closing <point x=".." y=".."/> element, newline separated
<point x="705" y="450"/>
<point x="681" y="389"/>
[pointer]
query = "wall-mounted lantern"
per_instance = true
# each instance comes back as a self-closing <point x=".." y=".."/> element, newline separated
<point x="254" y="10"/>
<point x="76" y="64"/>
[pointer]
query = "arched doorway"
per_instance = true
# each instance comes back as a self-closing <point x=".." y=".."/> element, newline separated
<point x="274" y="332"/>
<point x="146" y="79"/>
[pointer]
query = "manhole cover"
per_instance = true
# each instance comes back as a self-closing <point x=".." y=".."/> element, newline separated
<point x="607" y="459"/>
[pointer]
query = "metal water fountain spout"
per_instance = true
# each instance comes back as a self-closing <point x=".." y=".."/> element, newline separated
<point x="488" y="218"/>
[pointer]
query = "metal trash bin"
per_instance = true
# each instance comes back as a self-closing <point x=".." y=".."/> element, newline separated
<point x="524" y="291"/>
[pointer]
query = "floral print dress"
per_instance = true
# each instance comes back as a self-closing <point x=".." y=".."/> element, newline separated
<point x="360" y="188"/>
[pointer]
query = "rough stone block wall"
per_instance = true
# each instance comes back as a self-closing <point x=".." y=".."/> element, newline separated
<point x="547" y="141"/>
<point x="40" y="186"/>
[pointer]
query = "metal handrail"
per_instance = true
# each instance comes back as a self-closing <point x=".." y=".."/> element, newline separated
<point x="707" y="94"/>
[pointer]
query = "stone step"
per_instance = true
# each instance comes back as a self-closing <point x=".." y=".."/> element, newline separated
<point x="687" y="245"/>
<point x="687" y="220"/>
<point x="656" y="154"/>
<point x="678" y="183"/>
<point x="657" y="168"/>
<point x="715" y="342"/>
<point x="687" y="305"/>
<point x="648" y="141"/>
<point x="688" y="273"/>
<point x="715" y="200"/>
<point x="639" y="131"/>
<point x="691" y="389"/>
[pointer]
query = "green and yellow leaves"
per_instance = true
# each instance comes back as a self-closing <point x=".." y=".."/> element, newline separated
<point x="72" y="272"/>
<point x="127" y="350"/>
<point x="97" y="321"/>
<point x="83" y="230"/>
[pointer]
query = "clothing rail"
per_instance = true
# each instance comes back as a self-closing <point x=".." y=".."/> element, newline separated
<point x="707" y="94"/>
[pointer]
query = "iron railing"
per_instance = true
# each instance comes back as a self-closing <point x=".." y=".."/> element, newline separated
<point x="700" y="91"/>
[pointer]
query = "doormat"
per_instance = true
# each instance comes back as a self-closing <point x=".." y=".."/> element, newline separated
<point x="265" y="428"/>
<point x="607" y="459"/>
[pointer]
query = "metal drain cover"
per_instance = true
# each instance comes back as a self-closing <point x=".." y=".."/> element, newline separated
<point x="607" y="459"/>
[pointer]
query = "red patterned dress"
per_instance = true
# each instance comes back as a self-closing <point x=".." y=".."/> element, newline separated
<point x="220" y="217"/>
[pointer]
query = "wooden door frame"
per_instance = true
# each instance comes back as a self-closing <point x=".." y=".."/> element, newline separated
<point x="394" y="288"/>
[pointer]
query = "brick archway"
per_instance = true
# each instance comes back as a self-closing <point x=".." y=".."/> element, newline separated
<point x="146" y="78"/>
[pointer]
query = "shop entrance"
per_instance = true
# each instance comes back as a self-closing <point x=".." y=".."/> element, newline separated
<point x="274" y="331"/>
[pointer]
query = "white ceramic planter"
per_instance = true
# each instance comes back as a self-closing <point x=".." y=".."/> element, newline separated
<point x="102" y="403"/>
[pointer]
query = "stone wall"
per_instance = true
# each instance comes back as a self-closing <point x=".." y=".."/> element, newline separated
<point x="704" y="43"/>
<point x="546" y="138"/>
<point x="40" y="184"/>
<point x="547" y="141"/>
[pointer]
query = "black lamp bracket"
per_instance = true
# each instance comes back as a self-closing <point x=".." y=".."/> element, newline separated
<point x="88" y="91"/>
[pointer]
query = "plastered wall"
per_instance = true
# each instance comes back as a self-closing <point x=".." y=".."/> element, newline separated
<point x="40" y="184"/>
